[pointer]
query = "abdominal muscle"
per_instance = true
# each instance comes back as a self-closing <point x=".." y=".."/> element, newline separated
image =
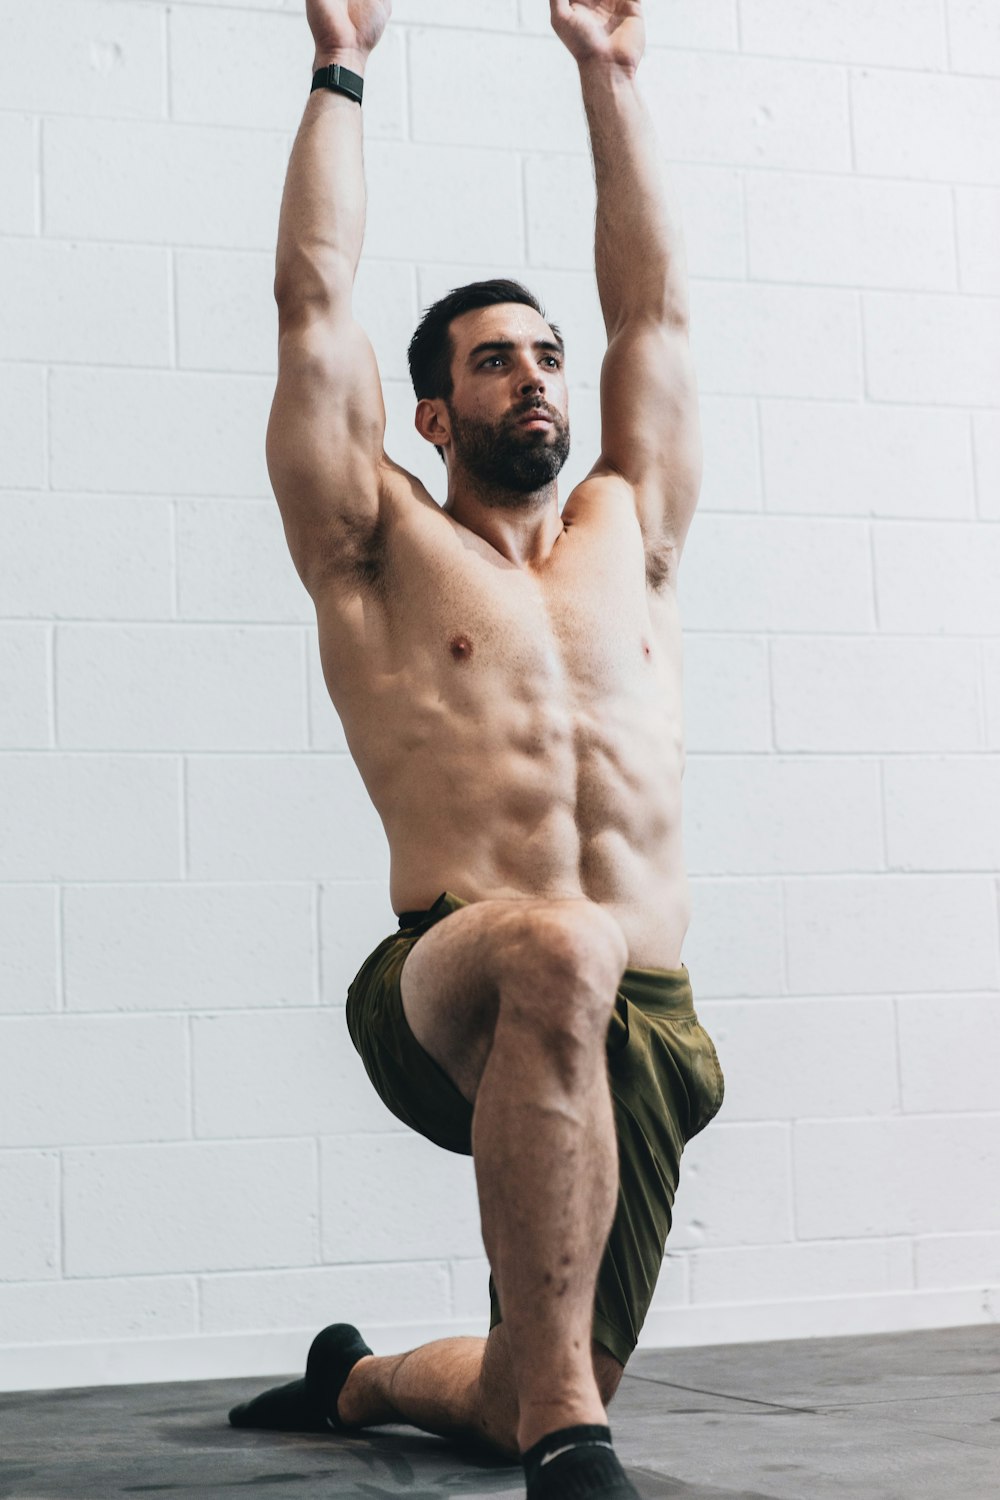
<point x="478" y="814"/>
<point x="651" y="904"/>
<point x="521" y="738"/>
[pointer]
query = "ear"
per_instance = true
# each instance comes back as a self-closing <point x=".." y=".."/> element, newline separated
<point x="431" y="421"/>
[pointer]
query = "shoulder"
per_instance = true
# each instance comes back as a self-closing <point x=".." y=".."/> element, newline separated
<point x="603" y="500"/>
<point x="607" y="504"/>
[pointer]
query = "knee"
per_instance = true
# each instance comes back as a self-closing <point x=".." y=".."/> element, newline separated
<point x="573" y="947"/>
<point x="608" y="1372"/>
<point x="497" y="1417"/>
<point x="501" y="1440"/>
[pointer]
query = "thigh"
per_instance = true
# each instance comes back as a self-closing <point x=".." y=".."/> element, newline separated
<point x="451" y="981"/>
<point x="449" y="987"/>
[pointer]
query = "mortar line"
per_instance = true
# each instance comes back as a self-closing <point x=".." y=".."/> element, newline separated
<point x="37" y="206"/>
<point x="60" y="947"/>
<point x="956" y="239"/>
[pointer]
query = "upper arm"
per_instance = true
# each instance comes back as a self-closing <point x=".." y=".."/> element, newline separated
<point x="325" y="439"/>
<point x="650" y="425"/>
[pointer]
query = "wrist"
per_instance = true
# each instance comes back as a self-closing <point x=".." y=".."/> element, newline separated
<point x="607" y="71"/>
<point x="348" y="57"/>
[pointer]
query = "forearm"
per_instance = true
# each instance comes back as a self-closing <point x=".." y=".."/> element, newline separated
<point x="322" y="222"/>
<point x="639" y="245"/>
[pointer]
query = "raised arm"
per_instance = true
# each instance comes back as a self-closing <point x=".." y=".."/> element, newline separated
<point x="651" y="432"/>
<point x="327" y="425"/>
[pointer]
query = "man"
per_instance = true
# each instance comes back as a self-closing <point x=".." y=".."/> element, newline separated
<point x="509" y="680"/>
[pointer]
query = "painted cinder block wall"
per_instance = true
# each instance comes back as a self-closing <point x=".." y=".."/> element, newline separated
<point x="194" y="1171"/>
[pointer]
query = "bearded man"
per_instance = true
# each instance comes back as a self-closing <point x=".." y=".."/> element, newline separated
<point x="508" y="675"/>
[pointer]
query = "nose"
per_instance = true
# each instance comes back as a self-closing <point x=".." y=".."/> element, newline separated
<point x="532" y="380"/>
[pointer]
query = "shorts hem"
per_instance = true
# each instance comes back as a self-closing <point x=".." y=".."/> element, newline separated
<point x="616" y="1342"/>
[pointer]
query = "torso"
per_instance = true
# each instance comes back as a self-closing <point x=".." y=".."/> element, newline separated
<point x="520" y="732"/>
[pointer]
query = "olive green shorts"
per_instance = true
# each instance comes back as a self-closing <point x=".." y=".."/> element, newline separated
<point x="666" y="1085"/>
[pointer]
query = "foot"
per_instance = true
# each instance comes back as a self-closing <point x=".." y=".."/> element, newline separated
<point x="578" y="1462"/>
<point x="310" y="1404"/>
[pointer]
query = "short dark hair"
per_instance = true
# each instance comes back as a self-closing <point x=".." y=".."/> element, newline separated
<point x="431" y="347"/>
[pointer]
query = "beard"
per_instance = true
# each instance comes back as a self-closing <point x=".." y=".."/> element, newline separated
<point x="504" y="457"/>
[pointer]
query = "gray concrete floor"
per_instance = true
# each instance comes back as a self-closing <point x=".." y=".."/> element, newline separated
<point x="913" y="1416"/>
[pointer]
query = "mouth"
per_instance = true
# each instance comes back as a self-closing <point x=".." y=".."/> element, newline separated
<point x="535" y="419"/>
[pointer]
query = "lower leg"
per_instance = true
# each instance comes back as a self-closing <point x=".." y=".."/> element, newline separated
<point x="435" y="1387"/>
<point x="545" y="1151"/>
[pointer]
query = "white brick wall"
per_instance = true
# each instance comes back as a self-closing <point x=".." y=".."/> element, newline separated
<point x="191" y="1155"/>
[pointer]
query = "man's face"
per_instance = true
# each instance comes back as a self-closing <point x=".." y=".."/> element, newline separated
<point x="509" y="409"/>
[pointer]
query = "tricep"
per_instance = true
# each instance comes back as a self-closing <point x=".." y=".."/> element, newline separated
<point x="325" y="439"/>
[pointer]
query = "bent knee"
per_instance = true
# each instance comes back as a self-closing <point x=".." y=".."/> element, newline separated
<point x="608" y="1372"/>
<point x="500" y="1438"/>
<point x="498" y="1404"/>
<point x="576" y="941"/>
<point x="499" y="1407"/>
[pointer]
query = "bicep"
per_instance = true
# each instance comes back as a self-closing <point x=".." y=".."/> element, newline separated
<point x="325" y="435"/>
<point x="650" y="424"/>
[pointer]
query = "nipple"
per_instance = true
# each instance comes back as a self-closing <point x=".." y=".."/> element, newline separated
<point x="460" y="647"/>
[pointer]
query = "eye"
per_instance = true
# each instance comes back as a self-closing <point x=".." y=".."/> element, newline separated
<point x="489" y="360"/>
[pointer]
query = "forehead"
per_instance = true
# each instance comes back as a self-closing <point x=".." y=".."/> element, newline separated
<point x="507" y="320"/>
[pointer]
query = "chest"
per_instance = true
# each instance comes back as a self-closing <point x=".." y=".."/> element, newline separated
<point x="586" y="625"/>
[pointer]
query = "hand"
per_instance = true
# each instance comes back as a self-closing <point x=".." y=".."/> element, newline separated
<point x="346" y="30"/>
<point x="611" y="30"/>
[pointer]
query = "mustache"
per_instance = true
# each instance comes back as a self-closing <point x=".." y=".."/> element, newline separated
<point x="526" y="410"/>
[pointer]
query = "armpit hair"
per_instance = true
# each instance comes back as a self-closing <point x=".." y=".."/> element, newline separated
<point x="660" y="559"/>
<point x="355" y="552"/>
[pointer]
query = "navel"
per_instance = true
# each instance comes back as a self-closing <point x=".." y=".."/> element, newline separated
<point x="646" y="648"/>
<point x="460" y="647"/>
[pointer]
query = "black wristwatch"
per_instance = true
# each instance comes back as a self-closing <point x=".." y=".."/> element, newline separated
<point x="341" y="80"/>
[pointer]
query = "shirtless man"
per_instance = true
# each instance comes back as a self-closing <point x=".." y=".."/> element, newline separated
<point x="509" y="681"/>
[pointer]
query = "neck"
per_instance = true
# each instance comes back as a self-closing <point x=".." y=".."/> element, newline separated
<point x="521" y="526"/>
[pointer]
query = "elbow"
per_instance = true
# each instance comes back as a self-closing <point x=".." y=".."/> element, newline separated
<point x="653" y="307"/>
<point x="311" y="283"/>
<point x="298" y="306"/>
<point x="677" y="314"/>
<point x="673" y="309"/>
<point x="658" y="317"/>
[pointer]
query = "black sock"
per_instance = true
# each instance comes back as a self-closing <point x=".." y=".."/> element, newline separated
<point x="309" y="1405"/>
<point x="575" y="1463"/>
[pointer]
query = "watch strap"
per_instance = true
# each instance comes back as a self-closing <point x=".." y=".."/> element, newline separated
<point x="341" y="80"/>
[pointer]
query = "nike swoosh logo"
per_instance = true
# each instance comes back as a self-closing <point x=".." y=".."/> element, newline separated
<point x="569" y="1448"/>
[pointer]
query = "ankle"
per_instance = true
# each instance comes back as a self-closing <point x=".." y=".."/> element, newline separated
<point x="536" y="1421"/>
<point x="354" y="1404"/>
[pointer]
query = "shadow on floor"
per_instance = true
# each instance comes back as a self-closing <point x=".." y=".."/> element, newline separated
<point x="912" y="1416"/>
